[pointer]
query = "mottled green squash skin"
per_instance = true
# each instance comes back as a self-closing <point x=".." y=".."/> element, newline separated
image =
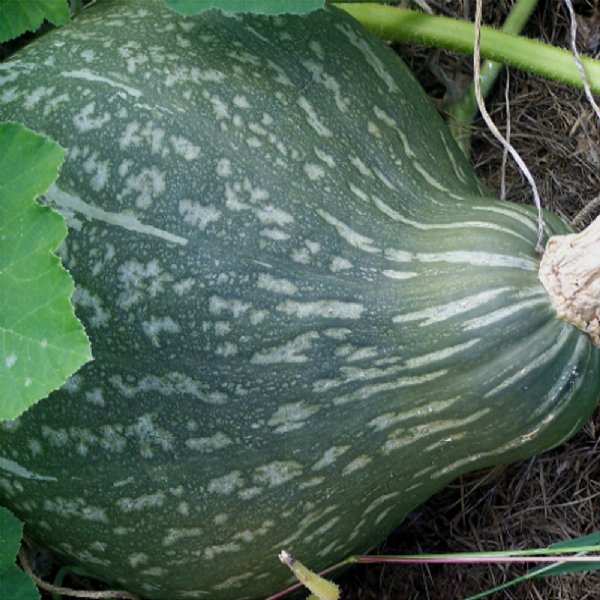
<point x="306" y="316"/>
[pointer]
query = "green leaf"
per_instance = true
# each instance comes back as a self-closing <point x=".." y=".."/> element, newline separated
<point x="567" y="546"/>
<point x="320" y="588"/>
<point x="41" y="341"/>
<point x="13" y="582"/>
<point x="593" y="539"/>
<point x="19" y="16"/>
<point x="266" y="7"/>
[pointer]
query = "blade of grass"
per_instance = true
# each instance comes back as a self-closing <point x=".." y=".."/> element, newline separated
<point x="551" y="551"/>
<point x="561" y="568"/>
<point x="564" y="557"/>
<point x="576" y="543"/>
<point x="499" y="588"/>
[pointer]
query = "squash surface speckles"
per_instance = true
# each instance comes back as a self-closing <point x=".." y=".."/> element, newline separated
<point x="69" y="204"/>
<point x="305" y="314"/>
<point x="14" y="468"/>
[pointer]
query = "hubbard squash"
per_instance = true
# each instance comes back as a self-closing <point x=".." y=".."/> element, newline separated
<point x="306" y="314"/>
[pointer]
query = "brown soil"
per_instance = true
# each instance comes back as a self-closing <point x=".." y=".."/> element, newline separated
<point x="555" y="496"/>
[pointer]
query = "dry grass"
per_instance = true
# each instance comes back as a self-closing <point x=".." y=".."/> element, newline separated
<point x="557" y="495"/>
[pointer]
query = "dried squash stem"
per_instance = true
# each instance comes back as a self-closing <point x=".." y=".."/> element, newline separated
<point x="570" y="272"/>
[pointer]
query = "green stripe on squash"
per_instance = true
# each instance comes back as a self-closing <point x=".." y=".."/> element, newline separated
<point x="306" y="315"/>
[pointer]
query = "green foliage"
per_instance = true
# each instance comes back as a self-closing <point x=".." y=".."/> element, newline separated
<point x="585" y="544"/>
<point x="41" y="341"/>
<point x="19" y="16"/>
<point x="267" y="7"/>
<point x="13" y="582"/>
<point x="320" y="588"/>
<point x="593" y="539"/>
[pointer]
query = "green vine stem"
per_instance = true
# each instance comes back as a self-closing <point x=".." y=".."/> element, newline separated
<point x="462" y="112"/>
<point x="409" y="26"/>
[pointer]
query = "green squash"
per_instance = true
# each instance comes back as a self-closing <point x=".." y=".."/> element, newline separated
<point x="306" y="315"/>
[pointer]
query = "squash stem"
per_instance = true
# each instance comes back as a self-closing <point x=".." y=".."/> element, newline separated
<point x="570" y="273"/>
<point x="409" y="26"/>
<point x="462" y="112"/>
